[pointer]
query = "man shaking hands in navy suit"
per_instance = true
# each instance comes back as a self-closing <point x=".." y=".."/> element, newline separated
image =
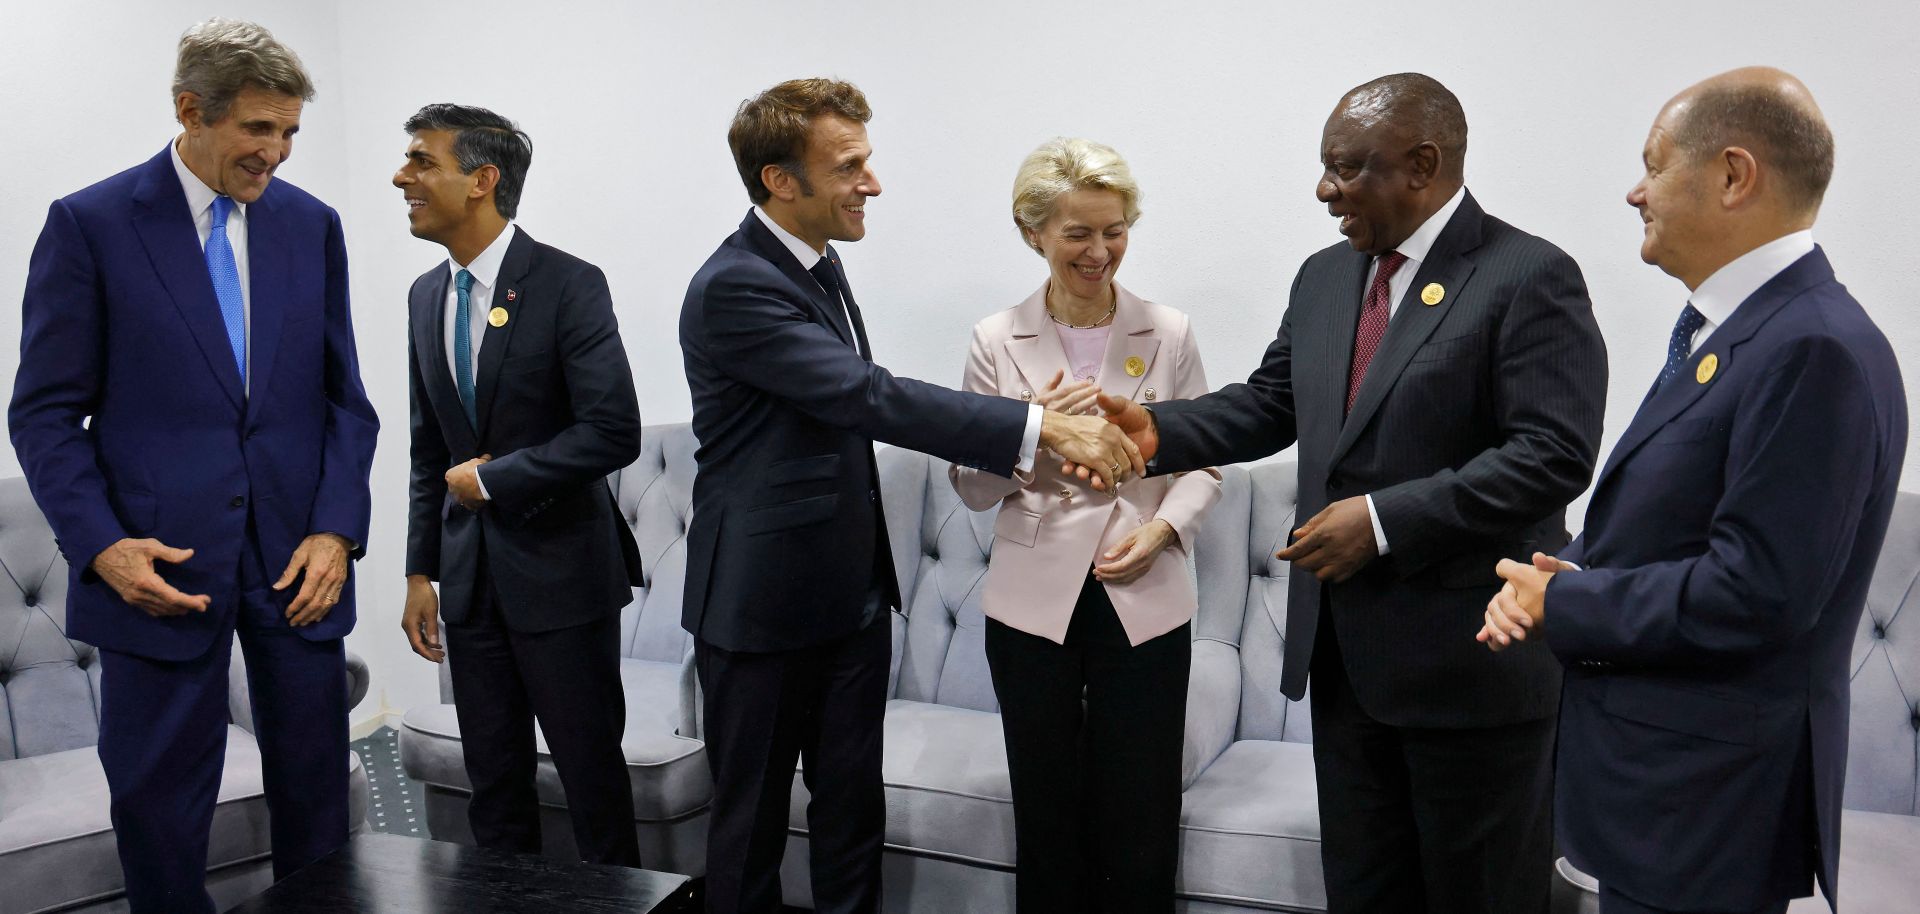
<point x="1707" y="612"/>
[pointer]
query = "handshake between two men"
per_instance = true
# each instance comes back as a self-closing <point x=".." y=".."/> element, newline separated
<point x="1332" y="545"/>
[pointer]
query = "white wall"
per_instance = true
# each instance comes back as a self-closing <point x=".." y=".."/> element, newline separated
<point x="1219" y="108"/>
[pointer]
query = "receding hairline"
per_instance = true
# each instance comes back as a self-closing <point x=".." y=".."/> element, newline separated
<point x="1415" y="104"/>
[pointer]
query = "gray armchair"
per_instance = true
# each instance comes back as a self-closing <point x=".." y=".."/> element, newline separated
<point x="666" y="761"/>
<point x="56" y="841"/>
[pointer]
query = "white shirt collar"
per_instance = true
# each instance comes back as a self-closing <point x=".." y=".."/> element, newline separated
<point x="1722" y="293"/>
<point x="199" y="195"/>
<point x="1418" y="244"/>
<point x="802" y="251"/>
<point x="486" y="267"/>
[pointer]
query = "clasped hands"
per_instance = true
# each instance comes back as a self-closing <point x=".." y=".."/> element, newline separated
<point x="1520" y="606"/>
<point x="128" y="567"/>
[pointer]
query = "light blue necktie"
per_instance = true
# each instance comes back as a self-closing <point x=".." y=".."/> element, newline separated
<point x="463" y="343"/>
<point x="226" y="283"/>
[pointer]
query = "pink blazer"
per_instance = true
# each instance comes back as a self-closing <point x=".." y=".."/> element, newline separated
<point x="1052" y="528"/>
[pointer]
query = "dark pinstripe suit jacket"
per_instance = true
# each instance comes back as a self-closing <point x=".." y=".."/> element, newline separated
<point x="1478" y="421"/>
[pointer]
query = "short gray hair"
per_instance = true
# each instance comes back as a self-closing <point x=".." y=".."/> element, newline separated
<point x="1781" y="131"/>
<point x="220" y="57"/>
<point x="1063" y="165"/>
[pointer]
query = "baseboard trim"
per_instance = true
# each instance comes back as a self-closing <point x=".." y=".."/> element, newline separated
<point x="363" y="728"/>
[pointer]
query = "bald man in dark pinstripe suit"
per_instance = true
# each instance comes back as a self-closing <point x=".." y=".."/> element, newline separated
<point x="1444" y="378"/>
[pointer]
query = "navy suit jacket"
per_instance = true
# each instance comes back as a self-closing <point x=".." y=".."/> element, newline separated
<point x="1728" y="548"/>
<point x="555" y="401"/>
<point x="1478" y="421"/>
<point x="130" y="420"/>
<point x="788" y="532"/>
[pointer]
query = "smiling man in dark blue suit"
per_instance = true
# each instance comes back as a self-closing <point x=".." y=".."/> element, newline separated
<point x="189" y="396"/>
<point x="1707" y="613"/>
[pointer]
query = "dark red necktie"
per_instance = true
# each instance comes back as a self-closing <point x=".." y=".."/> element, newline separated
<point x="1373" y="322"/>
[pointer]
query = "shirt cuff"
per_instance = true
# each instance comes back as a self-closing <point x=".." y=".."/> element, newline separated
<point x="1379" y="532"/>
<point x="482" y="483"/>
<point x="1029" y="441"/>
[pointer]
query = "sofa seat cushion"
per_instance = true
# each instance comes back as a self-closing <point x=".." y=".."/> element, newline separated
<point x="667" y="773"/>
<point x="56" y="833"/>
<point x="945" y="771"/>
<point x="1250" y="829"/>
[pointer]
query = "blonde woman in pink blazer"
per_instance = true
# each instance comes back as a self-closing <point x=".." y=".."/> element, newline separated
<point x="1087" y="597"/>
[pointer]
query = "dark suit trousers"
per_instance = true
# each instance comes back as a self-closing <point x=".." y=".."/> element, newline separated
<point x="1612" y="902"/>
<point x="1094" y="732"/>
<point x="569" y="680"/>
<point x="1419" y="819"/>
<point x="825" y="705"/>
<point x="163" y="741"/>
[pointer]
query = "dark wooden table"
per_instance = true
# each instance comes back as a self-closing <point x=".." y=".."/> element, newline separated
<point x="377" y="872"/>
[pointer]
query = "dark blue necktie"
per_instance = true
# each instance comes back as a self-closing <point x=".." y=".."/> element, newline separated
<point x="226" y="283"/>
<point x="822" y="271"/>
<point x="1680" y="345"/>
<point x="463" y="343"/>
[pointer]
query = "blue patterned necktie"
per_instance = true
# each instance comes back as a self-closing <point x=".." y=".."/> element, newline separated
<point x="1680" y="345"/>
<point x="463" y="343"/>
<point x="226" y="283"/>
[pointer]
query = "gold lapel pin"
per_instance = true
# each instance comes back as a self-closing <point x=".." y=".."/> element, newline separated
<point x="1432" y="294"/>
<point x="1708" y="366"/>
<point x="497" y="317"/>
<point x="1135" y="366"/>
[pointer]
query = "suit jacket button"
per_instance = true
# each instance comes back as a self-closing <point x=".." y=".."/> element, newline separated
<point x="1149" y="393"/>
<point x="873" y="496"/>
<point x="238" y="501"/>
<point x="1066" y="494"/>
<point x="1026" y="396"/>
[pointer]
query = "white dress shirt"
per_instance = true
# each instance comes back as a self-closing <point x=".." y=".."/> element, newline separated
<point x="200" y="204"/>
<point x="1415" y="249"/>
<point x="1722" y="293"/>
<point x="805" y="255"/>
<point x="485" y="270"/>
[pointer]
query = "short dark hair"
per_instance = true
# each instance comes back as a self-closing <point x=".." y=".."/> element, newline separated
<point x="1423" y="106"/>
<point x="1781" y="131"/>
<point x="481" y="137"/>
<point x="771" y="128"/>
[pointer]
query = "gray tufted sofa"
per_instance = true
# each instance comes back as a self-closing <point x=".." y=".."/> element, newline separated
<point x="667" y="770"/>
<point x="1250" y="822"/>
<point x="1880" y="828"/>
<point x="57" y="850"/>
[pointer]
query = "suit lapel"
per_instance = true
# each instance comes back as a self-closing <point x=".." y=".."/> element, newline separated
<point x="1343" y="320"/>
<point x="1132" y="337"/>
<point x="859" y="327"/>
<point x="1414" y="320"/>
<point x="1670" y="401"/>
<point x="267" y="274"/>
<point x="769" y="247"/>
<point x="430" y="341"/>
<point x="1035" y="348"/>
<point x="173" y="246"/>
<point x="507" y="297"/>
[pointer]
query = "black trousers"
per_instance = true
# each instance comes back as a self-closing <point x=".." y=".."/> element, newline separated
<point x="1418" y="819"/>
<point x="1094" y="732"/>
<point x="764" y="711"/>
<point x="1612" y="902"/>
<point x="569" y="680"/>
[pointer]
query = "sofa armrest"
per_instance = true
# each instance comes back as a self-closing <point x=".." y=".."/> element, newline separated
<point x="1213" y="706"/>
<point x="691" y="724"/>
<point x="240" y="700"/>
<point x="358" y="680"/>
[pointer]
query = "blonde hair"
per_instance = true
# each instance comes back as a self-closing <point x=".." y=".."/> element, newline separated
<point x="1061" y="166"/>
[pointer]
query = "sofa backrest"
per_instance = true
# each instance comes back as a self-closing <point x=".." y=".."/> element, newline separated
<point x="940" y="556"/>
<point x="1884" y="743"/>
<point x="49" y="683"/>
<point x="655" y="495"/>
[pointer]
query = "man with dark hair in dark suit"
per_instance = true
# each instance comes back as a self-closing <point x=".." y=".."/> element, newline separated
<point x="789" y="572"/>
<point x="1444" y="378"/>
<point x="523" y="403"/>
<point x="1708" y="612"/>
